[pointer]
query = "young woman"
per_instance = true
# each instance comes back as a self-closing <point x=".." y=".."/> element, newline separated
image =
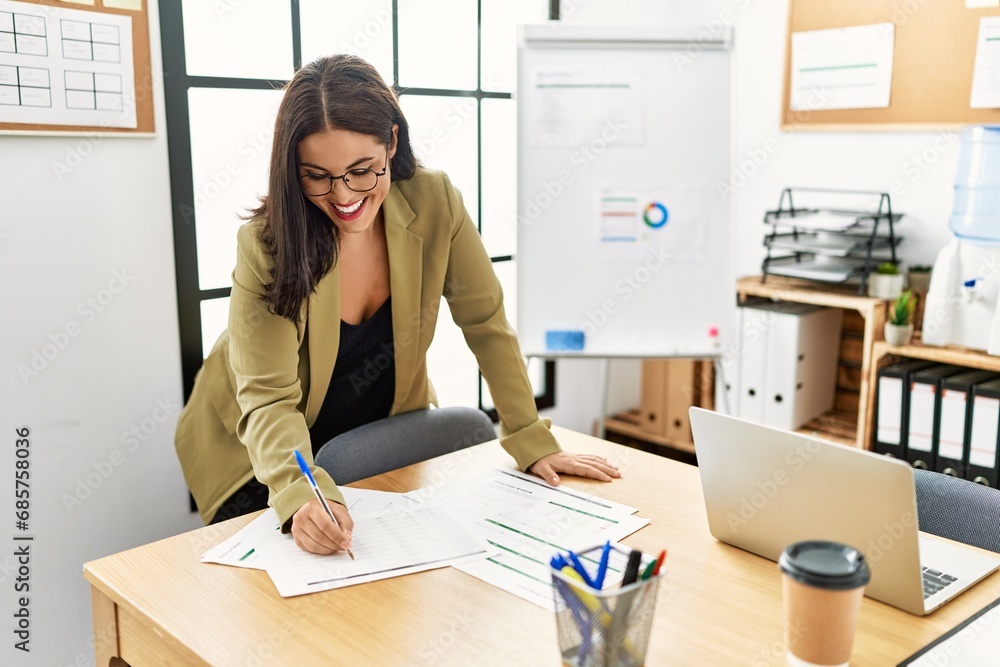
<point x="338" y="279"/>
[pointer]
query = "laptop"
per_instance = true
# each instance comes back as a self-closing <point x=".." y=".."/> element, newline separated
<point x="766" y="488"/>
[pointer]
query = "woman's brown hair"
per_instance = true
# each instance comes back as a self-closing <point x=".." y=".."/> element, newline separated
<point x="339" y="92"/>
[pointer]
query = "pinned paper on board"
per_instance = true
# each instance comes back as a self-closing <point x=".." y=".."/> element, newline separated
<point x="585" y="108"/>
<point x="986" y="71"/>
<point x="667" y="221"/>
<point x="61" y="66"/>
<point x="842" y="68"/>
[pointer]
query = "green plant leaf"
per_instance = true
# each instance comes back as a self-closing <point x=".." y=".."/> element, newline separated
<point x="902" y="309"/>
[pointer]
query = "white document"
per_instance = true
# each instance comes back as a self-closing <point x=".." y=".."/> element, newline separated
<point x="65" y="66"/>
<point x="842" y="68"/>
<point x="976" y="644"/>
<point x="890" y="410"/>
<point x="527" y="522"/>
<point x="820" y="221"/>
<point x="500" y="489"/>
<point x="986" y="72"/>
<point x="385" y="544"/>
<point x="951" y="438"/>
<point x="985" y="421"/>
<point x="976" y="4"/>
<point x="575" y="107"/>
<point x="659" y="222"/>
<point x="241" y="550"/>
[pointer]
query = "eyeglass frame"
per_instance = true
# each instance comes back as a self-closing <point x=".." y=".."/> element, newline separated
<point x="343" y="177"/>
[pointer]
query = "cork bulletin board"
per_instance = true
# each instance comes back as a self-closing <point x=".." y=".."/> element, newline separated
<point x="933" y="59"/>
<point x="33" y="33"/>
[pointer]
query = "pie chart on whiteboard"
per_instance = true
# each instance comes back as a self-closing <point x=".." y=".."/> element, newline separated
<point x="655" y="215"/>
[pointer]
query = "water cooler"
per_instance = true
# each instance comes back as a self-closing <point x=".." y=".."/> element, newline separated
<point x="961" y="304"/>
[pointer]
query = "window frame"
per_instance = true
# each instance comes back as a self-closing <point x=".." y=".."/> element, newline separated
<point x="177" y="82"/>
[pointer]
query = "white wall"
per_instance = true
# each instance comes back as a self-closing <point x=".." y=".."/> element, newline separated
<point x="86" y="218"/>
<point x="917" y="167"/>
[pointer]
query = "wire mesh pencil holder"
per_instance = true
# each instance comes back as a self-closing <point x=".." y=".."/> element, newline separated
<point x="606" y="628"/>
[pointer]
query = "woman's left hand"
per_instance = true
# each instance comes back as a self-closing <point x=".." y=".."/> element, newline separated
<point x="581" y="465"/>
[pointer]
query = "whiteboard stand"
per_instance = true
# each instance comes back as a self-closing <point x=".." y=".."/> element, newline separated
<point x="603" y="382"/>
<point x="623" y="236"/>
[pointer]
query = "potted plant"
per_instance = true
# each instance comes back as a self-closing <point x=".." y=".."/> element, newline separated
<point x="919" y="278"/>
<point x="886" y="282"/>
<point x="899" y="328"/>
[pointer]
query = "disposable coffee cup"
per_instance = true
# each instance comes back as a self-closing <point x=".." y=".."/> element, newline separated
<point x="823" y="584"/>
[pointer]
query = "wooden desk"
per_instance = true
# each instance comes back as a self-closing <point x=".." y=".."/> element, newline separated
<point x="718" y="605"/>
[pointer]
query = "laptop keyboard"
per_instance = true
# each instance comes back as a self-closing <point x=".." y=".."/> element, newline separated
<point x="935" y="581"/>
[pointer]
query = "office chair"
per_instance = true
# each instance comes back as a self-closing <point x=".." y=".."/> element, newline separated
<point x="389" y="444"/>
<point x="958" y="509"/>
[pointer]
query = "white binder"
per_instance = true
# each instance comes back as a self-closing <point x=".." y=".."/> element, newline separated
<point x="921" y="430"/>
<point x="727" y="385"/>
<point x="802" y="366"/>
<point x="951" y="434"/>
<point x="755" y="323"/>
<point x="788" y="362"/>
<point x="890" y="410"/>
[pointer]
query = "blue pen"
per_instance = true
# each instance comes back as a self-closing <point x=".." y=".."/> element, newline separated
<point x="602" y="568"/>
<point x="581" y="570"/>
<point x="322" y="501"/>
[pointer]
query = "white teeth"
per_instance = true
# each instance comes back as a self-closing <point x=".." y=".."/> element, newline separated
<point x="350" y="209"/>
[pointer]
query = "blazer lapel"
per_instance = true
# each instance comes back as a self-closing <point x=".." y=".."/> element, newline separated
<point x="323" y="333"/>
<point x="405" y="274"/>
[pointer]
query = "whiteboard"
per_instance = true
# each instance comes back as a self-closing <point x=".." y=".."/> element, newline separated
<point x="623" y="214"/>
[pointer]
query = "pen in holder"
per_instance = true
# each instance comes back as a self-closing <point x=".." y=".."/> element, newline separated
<point x="609" y="627"/>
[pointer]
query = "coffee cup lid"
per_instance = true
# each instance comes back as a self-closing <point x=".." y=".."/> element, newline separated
<point x="823" y="564"/>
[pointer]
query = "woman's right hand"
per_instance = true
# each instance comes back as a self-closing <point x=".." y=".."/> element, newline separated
<point x="316" y="533"/>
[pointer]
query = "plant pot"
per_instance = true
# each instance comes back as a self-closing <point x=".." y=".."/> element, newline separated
<point x="920" y="281"/>
<point x="884" y="285"/>
<point x="898" y="334"/>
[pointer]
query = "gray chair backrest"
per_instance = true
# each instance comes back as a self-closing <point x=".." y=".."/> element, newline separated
<point x="958" y="509"/>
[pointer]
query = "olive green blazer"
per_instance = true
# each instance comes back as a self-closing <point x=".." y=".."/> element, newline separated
<point x="262" y="385"/>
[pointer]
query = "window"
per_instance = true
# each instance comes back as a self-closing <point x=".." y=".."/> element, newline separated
<point x="222" y="93"/>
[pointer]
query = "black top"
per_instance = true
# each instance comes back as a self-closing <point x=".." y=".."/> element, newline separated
<point x="364" y="378"/>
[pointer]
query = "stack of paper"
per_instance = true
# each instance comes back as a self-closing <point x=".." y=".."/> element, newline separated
<point x="389" y="540"/>
<point x="500" y="526"/>
<point x="528" y="521"/>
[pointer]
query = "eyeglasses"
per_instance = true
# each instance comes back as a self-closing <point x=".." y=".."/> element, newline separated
<point x="358" y="180"/>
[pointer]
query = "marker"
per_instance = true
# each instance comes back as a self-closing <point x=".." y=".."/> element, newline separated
<point x="322" y="500"/>
<point x="632" y="567"/>
<point x="659" y="562"/>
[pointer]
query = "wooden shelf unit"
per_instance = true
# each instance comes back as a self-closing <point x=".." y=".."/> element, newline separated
<point x="629" y="424"/>
<point x="661" y="419"/>
<point x="884" y="354"/>
<point x="849" y="422"/>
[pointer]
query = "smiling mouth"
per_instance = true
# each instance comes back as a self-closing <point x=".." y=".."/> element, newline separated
<point x="352" y="212"/>
<point x="347" y="210"/>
